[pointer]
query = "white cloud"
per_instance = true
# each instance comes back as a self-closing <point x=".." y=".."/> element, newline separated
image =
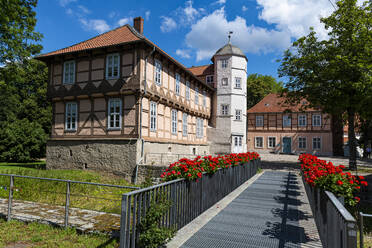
<point x="123" y="21"/>
<point x="168" y="24"/>
<point x="250" y="39"/>
<point x="244" y="8"/>
<point x="147" y="15"/>
<point x="83" y="9"/>
<point x="183" y="53"/>
<point x="97" y="25"/>
<point x="63" y="3"/>
<point x="189" y="13"/>
<point x="220" y="2"/>
<point x="296" y="16"/>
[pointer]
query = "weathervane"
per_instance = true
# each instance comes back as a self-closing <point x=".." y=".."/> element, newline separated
<point x="230" y="33"/>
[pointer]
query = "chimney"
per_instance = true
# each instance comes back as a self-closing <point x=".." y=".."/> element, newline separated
<point x="138" y="24"/>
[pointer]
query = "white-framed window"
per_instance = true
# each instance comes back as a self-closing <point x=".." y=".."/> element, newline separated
<point x="71" y="116"/>
<point x="238" y="114"/>
<point x="238" y="82"/>
<point x="196" y="95"/>
<point x="316" y="143"/>
<point x="271" y="142"/>
<point x="209" y="79"/>
<point x="174" y="121"/>
<point x="287" y="120"/>
<point x="112" y="65"/>
<point x="224" y="109"/>
<point x="114" y="113"/>
<point x="187" y="90"/>
<point x="184" y="124"/>
<point x="224" y="63"/>
<point x="204" y="98"/>
<point x="224" y="81"/>
<point x="317" y="120"/>
<point x="238" y="140"/>
<point x="302" y="142"/>
<point x="258" y="142"/>
<point x="158" y="68"/>
<point x="153" y="115"/>
<point x="259" y="121"/>
<point x="69" y="72"/>
<point x="178" y="81"/>
<point x="302" y="121"/>
<point x="199" y="127"/>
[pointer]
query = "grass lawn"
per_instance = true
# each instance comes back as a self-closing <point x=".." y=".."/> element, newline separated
<point x="40" y="235"/>
<point x="82" y="196"/>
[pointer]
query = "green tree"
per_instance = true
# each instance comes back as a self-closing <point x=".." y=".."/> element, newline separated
<point x="17" y="36"/>
<point x="334" y="74"/>
<point x="258" y="86"/>
<point x="25" y="112"/>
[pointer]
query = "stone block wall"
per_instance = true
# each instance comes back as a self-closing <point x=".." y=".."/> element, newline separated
<point x="115" y="156"/>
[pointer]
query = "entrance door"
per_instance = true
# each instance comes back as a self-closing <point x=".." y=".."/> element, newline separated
<point x="287" y="146"/>
<point x="238" y="147"/>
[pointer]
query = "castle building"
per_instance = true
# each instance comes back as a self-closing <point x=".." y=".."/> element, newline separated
<point x="121" y="103"/>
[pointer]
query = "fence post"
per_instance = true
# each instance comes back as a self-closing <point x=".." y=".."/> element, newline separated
<point x="10" y="198"/>
<point x="361" y="230"/>
<point x="351" y="235"/>
<point x="67" y="203"/>
<point x="123" y="221"/>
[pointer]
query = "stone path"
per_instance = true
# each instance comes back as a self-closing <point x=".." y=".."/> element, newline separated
<point x="82" y="219"/>
<point x="272" y="212"/>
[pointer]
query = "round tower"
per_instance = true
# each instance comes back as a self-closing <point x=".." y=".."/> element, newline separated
<point x="230" y="69"/>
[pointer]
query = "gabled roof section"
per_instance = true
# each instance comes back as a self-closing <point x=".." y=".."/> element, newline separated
<point x="120" y="35"/>
<point x="202" y="70"/>
<point x="274" y="103"/>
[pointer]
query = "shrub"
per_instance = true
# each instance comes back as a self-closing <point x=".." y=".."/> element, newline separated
<point x="324" y="175"/>
<point x="192" y="169"/>
<point x="151" y="234"/>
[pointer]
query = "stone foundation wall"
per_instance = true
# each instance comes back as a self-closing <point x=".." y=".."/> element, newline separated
<point x="115" y="156"/>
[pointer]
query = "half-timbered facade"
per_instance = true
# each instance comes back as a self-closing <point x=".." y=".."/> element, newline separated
<point x="274" y="126"/>
<point x="119" y="101"/>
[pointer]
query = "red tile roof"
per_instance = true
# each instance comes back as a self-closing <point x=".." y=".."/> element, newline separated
<point x="274" y="103"/>
<point x="202" y="70"/>
<point x="120" y="35"/>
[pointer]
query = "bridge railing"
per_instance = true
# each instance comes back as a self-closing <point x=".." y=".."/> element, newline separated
<point x="337" y="227"/>
<point x="188" y="199"/>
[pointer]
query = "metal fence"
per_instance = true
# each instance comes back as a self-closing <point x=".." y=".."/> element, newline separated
<point x="189" y="199"/>
<point x="20" y="187"/>
<point x="337" y="227"/>
<point x="361" y="235"/>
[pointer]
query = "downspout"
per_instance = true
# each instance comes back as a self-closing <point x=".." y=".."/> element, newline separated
<point x="140" y="126"/>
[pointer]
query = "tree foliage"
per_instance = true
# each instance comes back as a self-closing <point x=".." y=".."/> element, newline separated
<point x="17" y="36"/>
<point x="334" y="74"/>
<point x="258" y="86"/>
<point x="25" y="113"/>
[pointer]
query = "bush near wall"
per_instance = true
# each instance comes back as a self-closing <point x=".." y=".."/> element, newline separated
<point x="192" y="169"/>
<point x="324" y="175"/>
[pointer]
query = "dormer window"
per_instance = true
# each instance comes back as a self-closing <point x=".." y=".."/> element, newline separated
<point x="209" y="79"/>
<point x="112" y="66"/>
<point x="69" y="72"/>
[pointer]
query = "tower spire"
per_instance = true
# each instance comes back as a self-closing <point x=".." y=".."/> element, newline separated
<point x="229" y="36"/>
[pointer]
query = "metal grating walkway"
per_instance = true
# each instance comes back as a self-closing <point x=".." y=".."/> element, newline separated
<point x="269" y="213"/>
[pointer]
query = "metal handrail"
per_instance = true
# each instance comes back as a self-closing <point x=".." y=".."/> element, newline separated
<point x="340" y="208"/>
<point x="71" y="181"/>
<point x="361" y="238"/>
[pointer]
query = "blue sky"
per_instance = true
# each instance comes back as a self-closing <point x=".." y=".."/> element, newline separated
<point x="190" y="31"/>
